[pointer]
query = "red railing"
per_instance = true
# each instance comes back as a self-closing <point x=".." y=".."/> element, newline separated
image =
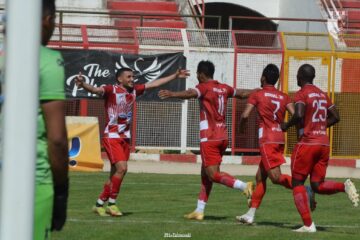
<point x="201" y="11"/>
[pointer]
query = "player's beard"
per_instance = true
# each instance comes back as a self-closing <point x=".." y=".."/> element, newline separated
<point x="128" y="88"/>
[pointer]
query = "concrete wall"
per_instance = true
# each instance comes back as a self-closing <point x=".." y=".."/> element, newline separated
<point x="80" y="5"/>
<point x="224" y="66"/>
<point x="268" y="8"/>
<point x="83" y="5"/>
<point x="74" y="4"/>
<point x="300" y="9"/>
<point x="286" y="9"/>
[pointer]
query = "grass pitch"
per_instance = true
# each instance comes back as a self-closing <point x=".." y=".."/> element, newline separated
<point x="154" y="205"/>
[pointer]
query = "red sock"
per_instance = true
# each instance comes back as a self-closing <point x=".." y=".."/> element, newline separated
<point x="104" y="196"/>
<point x="224" y="178"/>
<point x="206" y="186"/>
<point x="331" y="187"/>
<point x="258" y="194"/>
<point x="302" y="205"/>
<point x="285" y="180"/>
<point x="115" y="186"/>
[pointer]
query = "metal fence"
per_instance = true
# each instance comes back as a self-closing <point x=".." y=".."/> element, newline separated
<point x="239" y="57"/>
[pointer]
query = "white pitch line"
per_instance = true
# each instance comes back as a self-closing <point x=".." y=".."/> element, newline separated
<point x="269" y="186"/>
<point x="111" y="220"/>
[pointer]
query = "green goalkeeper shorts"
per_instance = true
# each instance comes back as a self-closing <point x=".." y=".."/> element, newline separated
<point x="44" y="195"/>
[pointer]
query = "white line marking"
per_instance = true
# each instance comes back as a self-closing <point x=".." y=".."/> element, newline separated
<point x="122" y="221"/>
<point x="269" y="186"/>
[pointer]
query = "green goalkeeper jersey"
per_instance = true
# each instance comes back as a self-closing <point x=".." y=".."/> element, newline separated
<point x="51" y="87"/>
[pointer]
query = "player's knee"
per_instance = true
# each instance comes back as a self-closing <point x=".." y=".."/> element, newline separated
<point x="212" y="177"/>
<point x="275" y="179"/>
<point x="296" y="182"/>
<point x="121" y="171"/>
<point x="215" y="176"/>
<point x="315" y="186"/>
<point x="258" y="179"/>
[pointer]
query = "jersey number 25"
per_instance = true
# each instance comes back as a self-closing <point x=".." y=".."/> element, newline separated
<point x="320" y="111"/>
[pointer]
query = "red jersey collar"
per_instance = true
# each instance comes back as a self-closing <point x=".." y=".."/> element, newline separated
<point x="307" y="85"/>
<point x="212" y="80"/>
<point x="268" y="86"/>
<point x="120" y="86"/>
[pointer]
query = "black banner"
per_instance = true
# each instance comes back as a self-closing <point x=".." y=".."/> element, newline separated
<point x="99" y="68"/>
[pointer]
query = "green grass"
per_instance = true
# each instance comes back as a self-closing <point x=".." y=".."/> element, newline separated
<point x="153" y="204"/>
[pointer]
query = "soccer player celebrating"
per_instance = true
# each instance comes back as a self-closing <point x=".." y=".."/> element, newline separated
<point x="213" y="98"/>
<point x="271" y="105"/>
<point x="315" y="112"/>
<point x="119" y="100"/>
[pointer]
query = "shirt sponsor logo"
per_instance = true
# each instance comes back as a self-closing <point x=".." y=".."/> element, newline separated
<point x="276" y="129"/>
<point x="319" y="132"/>
<point x="125" y="116"/>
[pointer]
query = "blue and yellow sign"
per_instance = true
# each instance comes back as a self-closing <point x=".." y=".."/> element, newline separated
<point x="84" y="143"/>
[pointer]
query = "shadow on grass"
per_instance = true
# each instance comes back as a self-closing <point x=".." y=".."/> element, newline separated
<point x="214" y="218"/>
<point x="125" y="214"/>
<point x="278" y="224"/>
<point x="292" y="227"/>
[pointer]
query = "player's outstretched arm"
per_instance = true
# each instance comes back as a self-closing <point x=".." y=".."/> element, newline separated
<point x="79" y="80"/>
<point x="245" y="116"/>
<point x="243" y="94"/>
<point x="333" y="116"/>
<point x="54" y="117"/>
<point x="296" y="117"/>
<point x="190" y="93"/>
<point x="180" y="73"/>
<point x="290" y="108"/>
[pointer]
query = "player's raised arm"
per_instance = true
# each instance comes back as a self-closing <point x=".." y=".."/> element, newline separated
<point x="296" y="117"/>
<point x="79" y="80"/>
<point x="187" y="94"/>
<point x="180" y="73"/>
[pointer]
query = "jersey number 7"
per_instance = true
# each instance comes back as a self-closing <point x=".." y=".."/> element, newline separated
<point x="277" y="104"/>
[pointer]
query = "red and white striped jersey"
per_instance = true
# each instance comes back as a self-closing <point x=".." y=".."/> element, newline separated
<point x="213" y="98"/>
<point x="118" y="106"/>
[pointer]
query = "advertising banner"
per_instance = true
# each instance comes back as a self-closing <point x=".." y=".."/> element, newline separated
<point x="99" y="67"/>
<point x="84" y="143"/>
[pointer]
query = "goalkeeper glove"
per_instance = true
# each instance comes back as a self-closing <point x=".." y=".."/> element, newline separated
<point x="60" y="205"/>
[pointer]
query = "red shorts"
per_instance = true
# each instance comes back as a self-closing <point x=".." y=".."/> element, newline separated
<point x="212" y="152"/>
<point x="117" y="149"/>
<point x="309" y="159"/>
<point x="272" y="155"/>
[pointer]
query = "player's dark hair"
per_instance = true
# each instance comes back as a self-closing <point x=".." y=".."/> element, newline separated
<point x="121" y="70"/>
<point x="271" y="74"/>
<point x="307" y="73"/>
<point x="48" y="7"/>
<point x="207" y="68"/>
